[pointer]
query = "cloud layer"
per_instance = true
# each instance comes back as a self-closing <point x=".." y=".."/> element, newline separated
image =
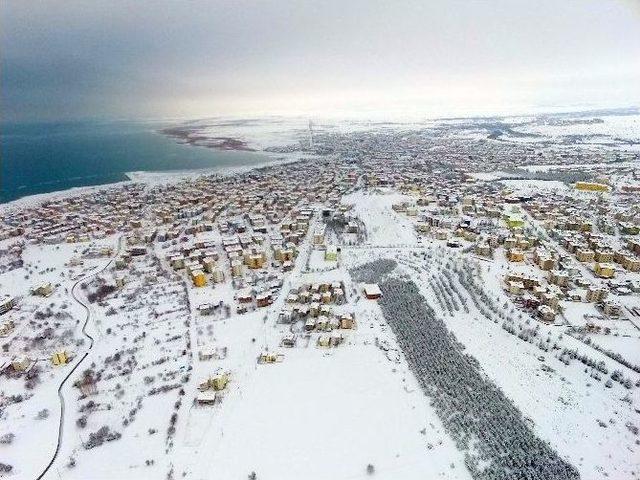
<point x="128" y="58"/>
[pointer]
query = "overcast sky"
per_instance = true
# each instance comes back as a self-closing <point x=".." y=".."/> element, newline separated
<point x="193" y="58"/>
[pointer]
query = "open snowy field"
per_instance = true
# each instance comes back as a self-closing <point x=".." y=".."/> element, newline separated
<point x="529" y="187"/>
<point x="623" y="127"/>
<point x="319" y="415"/>
<point x="384" y="226"/>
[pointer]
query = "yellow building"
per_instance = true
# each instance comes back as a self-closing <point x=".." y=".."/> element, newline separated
<point x="198" y="278"/>
<point x="318" y="236"/>
<point x="629" y="228"/>
<point x="524" y="244"/>
<point x="60" y="358"/>
<point x="6" y="328"/>
<point x="218" y="383"/>
<point x="595" y="294"/>
<point x="254" y="261"/>
<point x="331" y="253"/>
<point x="441" y="234"/>
<point x="604" y="270"/>
<point x="586" y="227"/>
<point x="559" y="278"/>
<point x="283" y="255"/>
<point x="510" y="243"/>
<point x="423" y="227"/>
<point x="592" y="187"/>
<point x="514" y="221"/>
<point x="515" y="288"/>
<point x="515" y="255"/>
<point x="469" y="236"/>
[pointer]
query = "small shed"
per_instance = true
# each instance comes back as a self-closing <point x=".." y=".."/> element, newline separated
<point x="208" y="397"/>
<point x="372" y="291"/>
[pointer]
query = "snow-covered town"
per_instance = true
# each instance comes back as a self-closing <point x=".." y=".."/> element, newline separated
<point x="455" y="299"/>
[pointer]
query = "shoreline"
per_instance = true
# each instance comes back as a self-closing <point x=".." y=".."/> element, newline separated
<point x="225" y="154"/>
<point x="150" y="177"/>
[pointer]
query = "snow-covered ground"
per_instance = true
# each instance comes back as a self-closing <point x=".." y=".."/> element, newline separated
<point x="323" y="414"/>
<point x="611" y="126"/>
<point x="43" y="326"/>
<point x="130" y="391"/>
<point x="384" y="226"/>
<point x="529" y="187"/>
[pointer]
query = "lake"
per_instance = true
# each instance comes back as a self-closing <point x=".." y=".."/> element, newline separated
<point x="46" y="157"/>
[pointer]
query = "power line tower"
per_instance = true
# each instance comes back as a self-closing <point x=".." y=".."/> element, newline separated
<point x="310" y="135"/>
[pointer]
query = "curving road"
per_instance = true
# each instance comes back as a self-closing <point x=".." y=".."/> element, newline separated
<point x="84" y="356"/>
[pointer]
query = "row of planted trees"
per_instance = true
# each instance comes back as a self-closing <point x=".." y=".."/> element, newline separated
<point x="479" y="417"/>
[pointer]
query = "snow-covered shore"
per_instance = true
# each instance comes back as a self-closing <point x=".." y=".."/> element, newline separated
<point x="146" y="177"/>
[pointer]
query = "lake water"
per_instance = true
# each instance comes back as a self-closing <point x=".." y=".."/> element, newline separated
<point x="47" y="157"/>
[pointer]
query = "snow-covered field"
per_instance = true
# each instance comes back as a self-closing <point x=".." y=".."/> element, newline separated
<point x="622" y="127"/>
<point x="384" y="226"/>
<point x="529" y="187"/>
<point x="325" y="414"/>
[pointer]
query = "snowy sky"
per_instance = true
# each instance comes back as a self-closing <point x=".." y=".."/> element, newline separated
<point x="194" y="58"/>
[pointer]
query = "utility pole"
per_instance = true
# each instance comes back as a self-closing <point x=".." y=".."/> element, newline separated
<point x="310" y="135"/>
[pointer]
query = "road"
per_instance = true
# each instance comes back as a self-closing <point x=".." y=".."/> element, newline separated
<point x="82" y="359"/>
